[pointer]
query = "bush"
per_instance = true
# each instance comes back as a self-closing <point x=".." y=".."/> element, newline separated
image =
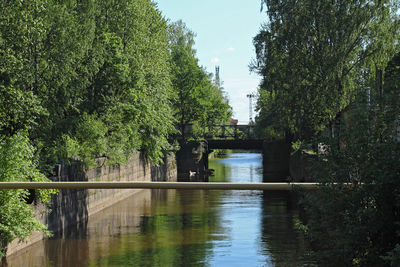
<point x="17" y="165"/>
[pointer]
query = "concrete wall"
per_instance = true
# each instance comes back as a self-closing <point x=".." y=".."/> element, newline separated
<point x="96" y="241"/>
<point x="70" y="209"/>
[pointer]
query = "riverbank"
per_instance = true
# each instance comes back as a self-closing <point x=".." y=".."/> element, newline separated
<point x="71" y="209"/>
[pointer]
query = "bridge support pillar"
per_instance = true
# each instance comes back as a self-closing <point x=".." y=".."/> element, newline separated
<point x="192" y="161"/>
<point x="276" y="157"/>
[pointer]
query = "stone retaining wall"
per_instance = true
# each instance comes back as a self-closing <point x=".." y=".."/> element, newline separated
<point x="70" y="209"/>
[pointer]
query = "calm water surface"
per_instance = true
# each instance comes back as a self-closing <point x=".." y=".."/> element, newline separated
<point x="184" y="228"/>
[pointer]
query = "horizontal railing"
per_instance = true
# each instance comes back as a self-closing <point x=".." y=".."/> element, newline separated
<point x="158" y="185"/>
<point x="233" y="131"/>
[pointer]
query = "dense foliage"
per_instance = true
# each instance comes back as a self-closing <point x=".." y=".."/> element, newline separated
<point x="360" y="224"/>
<point x="91" y="78"/>
<point x="330" y="78"/>
<point x="311" y="55"/>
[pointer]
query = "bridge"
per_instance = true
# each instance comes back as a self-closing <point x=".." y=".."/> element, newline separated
<point x="192" y="158"/>
<point x="233" y="137"/>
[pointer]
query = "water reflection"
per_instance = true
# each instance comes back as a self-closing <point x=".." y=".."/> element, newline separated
<point x="185" y="228"/>
<point x="280" y="238"/>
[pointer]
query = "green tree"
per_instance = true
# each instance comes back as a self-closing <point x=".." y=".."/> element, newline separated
<point x="105" y="65"/>
<point x="21" y="32"/>
<point x="131" y="89"/>
<point x="311" y="55"/>
<point x="198" y="101"/>
<point x="64" y="73"/>
<point x="217" y="110"/>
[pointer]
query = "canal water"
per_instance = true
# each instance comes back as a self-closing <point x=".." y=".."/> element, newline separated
<point x="185" y="228"/>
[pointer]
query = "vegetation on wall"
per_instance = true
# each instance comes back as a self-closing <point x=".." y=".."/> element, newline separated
<point x="17" y="164"/>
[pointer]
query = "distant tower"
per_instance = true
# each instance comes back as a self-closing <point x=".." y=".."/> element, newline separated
<point x="217" y="79"/>
<point x="250" y="97"/>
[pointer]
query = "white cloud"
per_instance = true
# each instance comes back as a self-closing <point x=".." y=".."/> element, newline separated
<point x="231" y="49"/>
<point x="214" y="60"/>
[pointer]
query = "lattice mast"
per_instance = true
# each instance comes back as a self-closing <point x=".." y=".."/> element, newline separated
<point x="217" y="78"/>
<point x="250" y="97"/>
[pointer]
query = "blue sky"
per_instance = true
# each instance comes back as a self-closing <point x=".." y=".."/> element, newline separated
<point x="224" y="34"/>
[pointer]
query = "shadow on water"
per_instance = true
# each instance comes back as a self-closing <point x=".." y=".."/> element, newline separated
<point x="279" y="234"/>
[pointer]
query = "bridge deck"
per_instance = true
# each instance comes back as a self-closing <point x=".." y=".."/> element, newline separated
<point x="235" y="144"/>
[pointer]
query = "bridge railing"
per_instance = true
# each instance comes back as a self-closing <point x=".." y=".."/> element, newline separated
<point x="236" y="132"/>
